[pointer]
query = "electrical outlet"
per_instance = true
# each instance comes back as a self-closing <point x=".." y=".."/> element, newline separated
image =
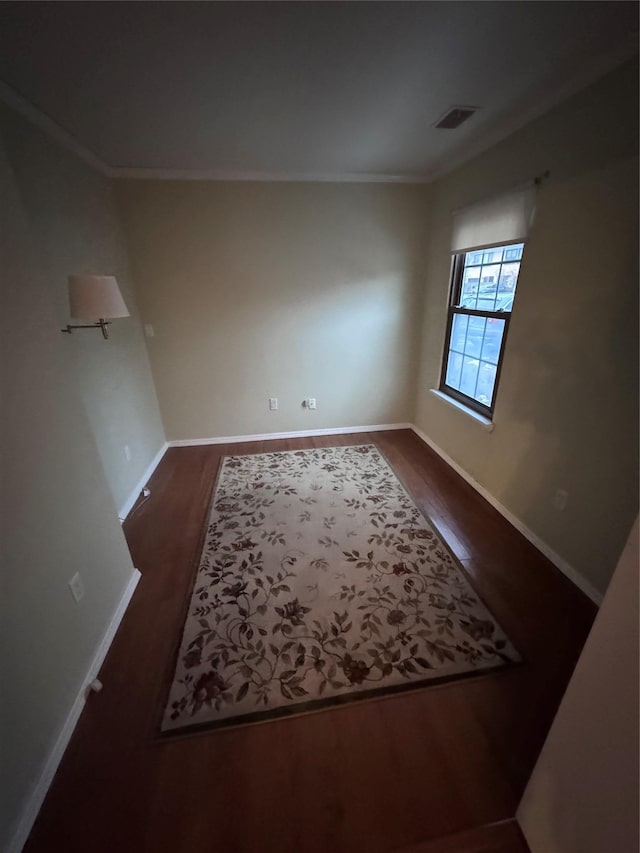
<point x="560" y="499"/>
<point x="77" y="587"/>
<point x="149" y="331"/>
<point x="273" y="404"/>
<point x="311" y="403"/>
<point x="127" y="453"/>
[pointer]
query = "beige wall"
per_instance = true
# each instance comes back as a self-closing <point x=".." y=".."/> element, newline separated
<point x="566" y="411"/>
<point x="60" y="479"/>
<point x="72" y="217"/>
<point x="583" y="794"/>
<point x="278" y="290"/>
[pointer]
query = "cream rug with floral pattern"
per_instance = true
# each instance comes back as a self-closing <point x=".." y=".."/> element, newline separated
<point x="320" y="582"/>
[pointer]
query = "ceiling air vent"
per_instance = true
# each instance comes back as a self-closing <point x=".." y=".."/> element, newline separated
<point x="455" y="116"/>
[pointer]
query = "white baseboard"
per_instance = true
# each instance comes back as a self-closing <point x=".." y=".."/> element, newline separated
<point x="49" y="770"/>
<point x="268" y="436"/>
<point x="558" y="561"/>
<point x="125" y="509"/>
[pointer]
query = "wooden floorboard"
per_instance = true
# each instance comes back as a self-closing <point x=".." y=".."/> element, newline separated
<point x="379" y="776"/>
<point x="503" y="837"/>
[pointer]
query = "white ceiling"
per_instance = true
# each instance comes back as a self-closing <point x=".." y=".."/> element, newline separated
<point x="301" y="90"/>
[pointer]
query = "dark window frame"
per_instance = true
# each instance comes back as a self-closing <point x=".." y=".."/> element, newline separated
<point x="454" y="307"/>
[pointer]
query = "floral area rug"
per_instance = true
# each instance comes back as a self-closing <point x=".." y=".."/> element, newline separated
<point x="320" y="582"/>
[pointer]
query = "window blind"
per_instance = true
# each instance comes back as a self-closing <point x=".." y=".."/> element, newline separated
<point x="494" y="222"/>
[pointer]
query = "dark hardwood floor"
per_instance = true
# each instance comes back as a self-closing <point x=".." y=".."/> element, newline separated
<point x="391" y="774"/>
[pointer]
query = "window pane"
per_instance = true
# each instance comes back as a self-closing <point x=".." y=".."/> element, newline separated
<point x="454" y="368"/>
<point x="513" y="253"/>
<point x="475" y="336"/>
<point x="488" y="287"/>
<point x="472" y="258"/>
<point x="486" y="381"/>
<point x="459" y="332"/>
<point x="492" y="256"/>
<point x="473" y="368"/>
<point x="492" y="340"/>
<point x="508" y="278"/>
<point x="470" y="281"/>
<point x="469" y="376"/>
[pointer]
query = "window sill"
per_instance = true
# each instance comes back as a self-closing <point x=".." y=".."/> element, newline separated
<point x="484" y="422"/>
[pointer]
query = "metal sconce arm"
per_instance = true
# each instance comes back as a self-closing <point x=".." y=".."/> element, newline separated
<point x="101" y="324"/>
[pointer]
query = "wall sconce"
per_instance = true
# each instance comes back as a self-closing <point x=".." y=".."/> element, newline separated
<point x="92" y="296"/>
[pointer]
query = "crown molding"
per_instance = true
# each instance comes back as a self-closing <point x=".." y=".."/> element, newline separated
<point x="66" y="140"/>
<point x="51" y="128"/>
<point x="265" y="177"/>
<point x="55" y="131"/>
<point x="537" y="104"/>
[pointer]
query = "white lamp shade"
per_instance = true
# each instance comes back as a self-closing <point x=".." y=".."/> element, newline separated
<point x="95" y="297"/>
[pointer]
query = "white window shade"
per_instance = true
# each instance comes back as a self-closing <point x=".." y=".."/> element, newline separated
<point x="496" y="222"/>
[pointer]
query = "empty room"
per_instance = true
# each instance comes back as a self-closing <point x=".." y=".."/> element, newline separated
<point x="319" y="449"/>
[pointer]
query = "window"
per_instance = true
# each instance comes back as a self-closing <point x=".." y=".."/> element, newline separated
<point x="487" y="241"/>
<point x="483" y="286"/>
